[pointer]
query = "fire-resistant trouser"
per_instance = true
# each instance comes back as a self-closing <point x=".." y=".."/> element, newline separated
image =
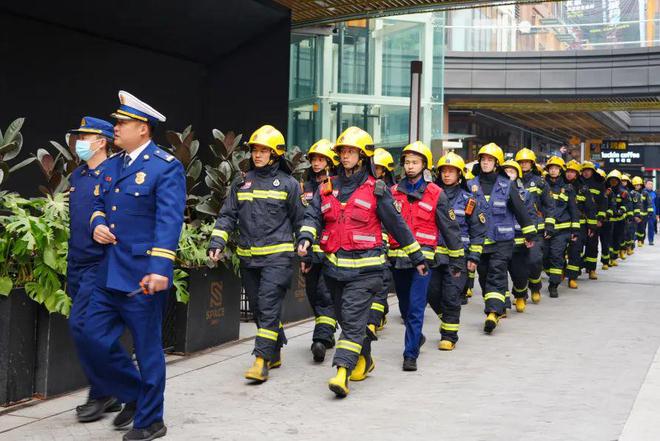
<point x="640" y="229"/>
<point x="631" y="228"/>
<point x="109" y="312"/>
<point x="618" y="238"/>
<point x="652" y="227"/>
<point x="591" y="250"/>
<point x="493" y="275"/>
<point x="324" y="308"/>
<point x="444" y="296"/>
<point x="379" y="307"/>
<point x="606" y="250"/>
<point x="519" y="271"/>
<point x="554" y="255"/>
<point x="535" y="265"/>
<point x="574" y="254"/>
<point x="411" y="290"/>
<point x="469" y="282"/>
<point x="353" y="299"/>
<point x="81" y="282"/>
<point x="265" y="288"/>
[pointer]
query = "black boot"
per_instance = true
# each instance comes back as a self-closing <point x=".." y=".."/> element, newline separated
<point x="318" y="351"/>
<point x="156" y="430"/>
<point x="552" y="289"/>
<point x="409" y="364"/>
<point x="94" y="409"/>
<point x="126" y="416"/>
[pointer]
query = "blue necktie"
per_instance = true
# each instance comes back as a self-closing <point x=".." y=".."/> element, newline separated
<point x="127" y="161"/>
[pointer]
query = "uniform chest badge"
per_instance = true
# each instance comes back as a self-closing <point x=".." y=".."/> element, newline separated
<point x="97" y="190"/>
<point x="397" y="205"/>
<point x="482" y="218"/>
<point x="246" y="185"/>
<point x="97" y="172"/>
<point x="475" y="188"/>
<point x="72" y="189"/>
<point x="304" y="200"/>
<point x="139" y="177"/>
<point x="532" y="184"/>
<point x="108" y="179"/>
<point x="452" y="214"/>
<point x="276" y="183"/>
<point x="335" y="193"/>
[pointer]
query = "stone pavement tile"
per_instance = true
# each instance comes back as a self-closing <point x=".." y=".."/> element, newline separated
<point x="12" y="421"/>
<point x="566" y="369"/>
<point x="49" y="407"/>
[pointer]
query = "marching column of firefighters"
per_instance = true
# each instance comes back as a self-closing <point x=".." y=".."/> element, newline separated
<point x="360" y="233"/>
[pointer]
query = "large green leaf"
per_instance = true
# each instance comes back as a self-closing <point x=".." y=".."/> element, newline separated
<point x="6" y="285"/>
<point x="64" y="151"/>
<point x="195" y="169"/>
<point x="13" y="129"/>
<point x="9" y="151"/>
<point x="22" y="164"/>
<point x="50" y="257"/>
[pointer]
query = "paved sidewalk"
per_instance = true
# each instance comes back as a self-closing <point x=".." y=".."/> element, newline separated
<point x="571" y="368"/>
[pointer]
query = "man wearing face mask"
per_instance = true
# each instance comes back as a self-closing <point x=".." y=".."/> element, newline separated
<point x="425" y="208"/>
<point x="92" y="147"/>
<point x="137" y="218"/>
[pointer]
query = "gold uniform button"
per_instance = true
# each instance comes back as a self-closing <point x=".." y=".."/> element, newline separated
<point x="112" y="225"/>
<point x="146" y="156"/>
<point x="137" y="194"/>
<point x="114" y="208"/>
<point x="116" y="190"/>
<point x="149" y="252"/>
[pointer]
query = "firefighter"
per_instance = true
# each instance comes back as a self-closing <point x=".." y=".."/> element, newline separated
<point x="567" y="225"/>
<point x="586" y="207"/>
<point x="433" y="222"/>
<point x="384" y="170"/>
<point x="504" y="206"/>
<point x="594" y="183"/>
<point x="446" y="291"/>
<point x="520" y="258"/>
<point x="640" y="233"/>
<point x="544" y="221"/>
<point x="348" y="217"/>
<point x="607" y="257"/>
<point x="266" y="206"/>
<point x="630" y="226"/>
<point x="621" y="205"/>
<point x="323" y="161"/>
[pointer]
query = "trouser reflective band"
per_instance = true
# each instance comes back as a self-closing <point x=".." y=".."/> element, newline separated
<point x="268" y="334"/>
<point x="572" y="268"/>
<point x="520" y="290"/>
<point x="349" y="346"/>
<point x="557" y="271"/>
<point x="325" y="320"/>
<point x="378" y="307"/>
<point x="591" y="259"/>
<point x="449" y="326"/>
<point x="495" y="295"/>
<point x="530" y="280"/>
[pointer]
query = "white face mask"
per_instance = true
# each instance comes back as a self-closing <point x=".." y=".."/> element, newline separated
<point x="84" y="149"/>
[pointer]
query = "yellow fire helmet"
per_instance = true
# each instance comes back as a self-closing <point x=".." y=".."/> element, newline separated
<point x="601" y="172"/>
<point x="383" y="158"/>
<point x="324" y="148"/>
<point x="588" y="164"/>
<point x="637" y="181"/>
<point x="358" y="138"/>
<point x="421" y="149"/>
<point x="513" y="164"/>
<point x="574" y="165"/>
<point x="451" y="159"/>
<point x="494" y="150"/>
<point x="555" y="160"/>
<point x="526" y="155"/>
<point x="614" y="174"/>
<point x="625" y="177"/>
<point x="269" y="136"/>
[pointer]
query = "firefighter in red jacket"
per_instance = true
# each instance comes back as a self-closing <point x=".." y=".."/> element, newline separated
<point x="347" y="217"/>
<point x="427" y="212"/>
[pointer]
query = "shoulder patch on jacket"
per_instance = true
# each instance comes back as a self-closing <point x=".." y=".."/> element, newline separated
<point x="164" y="155"/>
<point x="380" y="188"/>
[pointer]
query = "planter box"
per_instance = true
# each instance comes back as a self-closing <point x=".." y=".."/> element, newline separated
<point x="57" y="367"/>
<point x="296" y="306"/>
<point x="17" y="347"/>
<point x="212" y="315"/>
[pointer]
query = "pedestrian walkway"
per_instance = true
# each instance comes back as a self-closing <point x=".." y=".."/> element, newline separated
<point x="581" y="367"/>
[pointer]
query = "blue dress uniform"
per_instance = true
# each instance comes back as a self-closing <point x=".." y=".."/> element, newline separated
<point x="84" y="254"/>
<point x="266" y="207"/>
<point x="142" y="203"/>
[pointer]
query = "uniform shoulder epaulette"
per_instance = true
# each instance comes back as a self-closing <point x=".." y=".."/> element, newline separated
<point x="114" y="155"/>
<point x="380" y="187"/>
<point x="164" y="155"/>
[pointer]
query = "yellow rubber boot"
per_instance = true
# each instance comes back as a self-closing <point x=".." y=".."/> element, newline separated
<point x="536" y="296"/>
<point x="362" y="369"/>
<point x="276" y="362"/>
<point x="640" y="243"/>
<point x="631" y="251"/>
<point x="446" y="345"/>
<point x="491" y="323"/>
<point x="469" y="292"/>
<point x="613" y="262"/>
<point x="593" y="275"/>
<point x="605" y="267"/>
<point x="572" y="284"/>
<point x="622" y="255"/>
<point x="258" y="371"/>
<point x="382" y="324"/>
<point x="339" y="383"/>
<point x="521" y="304"/>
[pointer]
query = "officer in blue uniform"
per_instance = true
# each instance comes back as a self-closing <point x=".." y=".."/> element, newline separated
<point x="137" y="217"/>
<point x="92" y="146"/>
